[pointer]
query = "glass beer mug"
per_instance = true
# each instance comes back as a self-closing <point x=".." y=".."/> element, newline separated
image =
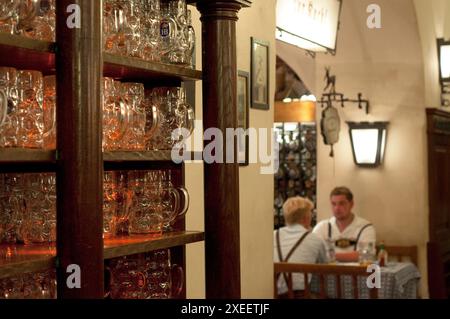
<point x="9" y="100"/>
<point x="172" y="199"/>
<point x="30" y="109"/>
<point x="145" y="212"/>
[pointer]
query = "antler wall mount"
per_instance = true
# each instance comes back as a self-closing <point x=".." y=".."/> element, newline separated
<point x="330" y="95"/>
<point x="330" y="122"/>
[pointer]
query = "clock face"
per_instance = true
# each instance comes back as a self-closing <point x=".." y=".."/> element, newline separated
<point x="331" y="125"/>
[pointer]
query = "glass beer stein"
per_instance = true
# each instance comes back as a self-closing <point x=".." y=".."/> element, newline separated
<point x="145" y="212"/>
<point x="174" y="200"/>
<point x="9" y="100"/>
<point x="49" y="112"/>
<point x="30" y="111"/>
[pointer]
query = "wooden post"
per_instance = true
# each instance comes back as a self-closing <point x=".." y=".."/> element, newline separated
<point x="221" y="180"/>
<point x="79" y="162"/>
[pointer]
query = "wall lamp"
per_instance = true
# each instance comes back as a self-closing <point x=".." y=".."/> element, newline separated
<point x="444" y="69"/>
<point x="368" y="142"/>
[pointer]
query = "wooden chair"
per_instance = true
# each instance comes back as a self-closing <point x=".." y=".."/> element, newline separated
<point x="322" y="271"/>
<point x="401" y="252"/>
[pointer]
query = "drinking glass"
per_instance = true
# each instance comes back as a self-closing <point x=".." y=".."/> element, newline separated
<point x="109" y="204"/>
<point x="27" y="12"/>
<point x="165" y="279"/>
<point x="30" y="109"/>
<point x="115" y="115"/>
<point x="39" y="220"/>
<point x="170" y="116"/>
<point x="128" y="277"/>
<point x="168" y="32"/>
<point x="8" y="15"/>
<point x="190" y="52"/>
<point x="171" y="200"/>
<point x="114" y="25"/>
<point x="133" y="94"/>
<point x="178" y="10"/>
<point x="150" y="29"/>
<point x="133" y="29"/>
<point x="41" y="24"/>
<point x="9" y="120"/>
<point x="49" y="105"/>
<point x="145" y="216"/>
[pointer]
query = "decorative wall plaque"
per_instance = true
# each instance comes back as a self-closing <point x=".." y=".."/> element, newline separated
<point x="330" y="125"/>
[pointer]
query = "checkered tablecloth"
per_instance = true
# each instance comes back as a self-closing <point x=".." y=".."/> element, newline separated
<point x="398" y="281"/>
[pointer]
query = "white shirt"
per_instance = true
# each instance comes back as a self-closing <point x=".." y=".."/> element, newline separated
<point x="350" y="232"/>
<point x="311" y="251"/>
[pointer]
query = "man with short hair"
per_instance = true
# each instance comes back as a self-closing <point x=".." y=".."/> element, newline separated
<point x="345" y="229"/>
<point x="295" y="242"/>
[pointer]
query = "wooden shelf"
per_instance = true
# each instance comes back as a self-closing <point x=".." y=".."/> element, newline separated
<point x="20" y="259"/>
<point x="27" y="54"/>
<point x="23" y="155"/>
<point x="145" y="156"/>
<point x="135" y="244"/>
<point x="244" y="3"/>
<point x="152" y="73"/>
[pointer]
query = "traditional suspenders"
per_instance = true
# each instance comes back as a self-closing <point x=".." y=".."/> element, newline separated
<point x="280" y="255"/>
<point x="350" y="242"/>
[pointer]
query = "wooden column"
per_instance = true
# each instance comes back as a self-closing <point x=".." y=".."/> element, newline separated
<point x="80" y="163"/>
<point x="221" y="180"/>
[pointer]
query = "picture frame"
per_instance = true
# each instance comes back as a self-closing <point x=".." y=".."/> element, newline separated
<point x="260" y="74"/>
<point x="243" y="104"/>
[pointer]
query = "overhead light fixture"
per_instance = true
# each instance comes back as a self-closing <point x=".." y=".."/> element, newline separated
<point x="444" y="69"/>
<point x="368" y="141"/>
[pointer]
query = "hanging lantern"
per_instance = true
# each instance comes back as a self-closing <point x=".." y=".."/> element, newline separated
<point x="368" y="142"/>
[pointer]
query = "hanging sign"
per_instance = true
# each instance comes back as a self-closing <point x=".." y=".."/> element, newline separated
<point x="311" y="24"/>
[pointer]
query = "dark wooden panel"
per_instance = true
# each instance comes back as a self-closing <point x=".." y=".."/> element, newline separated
<point x="135" y="244"/>
<point x="24" y="53"/>
<point x="18" y="259"/>
<point x="80" y="163"/>
<point x="152" y="73"/>
<point x="438" y="128"/>
<point x="221" y="181"/>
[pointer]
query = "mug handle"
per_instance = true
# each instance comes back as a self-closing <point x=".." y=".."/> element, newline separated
<point x="184" y="193"/>
<point x="177" y="269"/>
<point x="53" y="124"/>
<point x="190" y="119"/>
<point x="108" y="283"/>
<point x="3" y="106"/>
<point x="155" y="122"/>
<point x="174" y="212"/>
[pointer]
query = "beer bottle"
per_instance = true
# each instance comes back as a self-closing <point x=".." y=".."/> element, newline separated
<point x="382" y="256"/>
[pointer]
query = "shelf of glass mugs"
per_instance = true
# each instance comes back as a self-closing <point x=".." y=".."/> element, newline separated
<point x="151" y="275"/>
<point x="153" y="30"/>
<point x="133" y="119"/>
<point x="134" y="202"/>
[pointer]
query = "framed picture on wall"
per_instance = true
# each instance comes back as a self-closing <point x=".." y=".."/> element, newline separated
<point x="260" y="74"/>
<point x="243" y="102"/>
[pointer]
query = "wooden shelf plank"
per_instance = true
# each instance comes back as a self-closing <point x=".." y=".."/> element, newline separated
<point x="132" y="156"/>
<point x="23" y="155"/>
<point x="19" y="259"/>
<point x="24" y="53"/>
<point x="135" y="244"/>
<point x="134" y="69"/>
<point x="244" y="3"/>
